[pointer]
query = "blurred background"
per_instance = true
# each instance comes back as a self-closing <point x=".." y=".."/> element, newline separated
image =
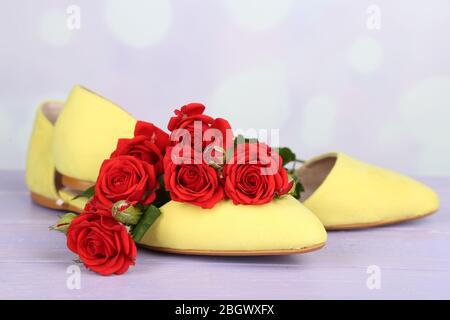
<point x="369" y="78"/>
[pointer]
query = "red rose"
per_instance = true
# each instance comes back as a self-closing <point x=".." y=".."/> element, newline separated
<point x="189" y="114"/>
<point x="94" y="206"/>
<point x="185" y="117"/>
<point x="149" y="145"/>
<point x="198" y="184"/>
<point x="126" y="178"/>
<point x="103" y="244"/>
<point x="254" y="175"/>
<point x="158" y="136"/>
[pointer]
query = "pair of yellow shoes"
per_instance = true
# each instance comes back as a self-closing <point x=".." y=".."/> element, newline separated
<point x="70" y="141"/>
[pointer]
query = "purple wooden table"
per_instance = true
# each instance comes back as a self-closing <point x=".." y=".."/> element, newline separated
<point x="413" y="260"/>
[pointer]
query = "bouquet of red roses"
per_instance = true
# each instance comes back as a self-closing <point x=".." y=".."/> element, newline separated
<point x="200" y="162"/>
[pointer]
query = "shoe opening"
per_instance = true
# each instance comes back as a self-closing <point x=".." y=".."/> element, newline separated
<point x="51" y="111"/>
<point x="314" y="173"/>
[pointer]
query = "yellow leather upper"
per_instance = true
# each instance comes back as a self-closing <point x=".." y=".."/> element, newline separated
<point x="355" y="192"/>
<point x="40" y="173"/>
<point x="69" y="196"/>
<point x="86" y="133"/>
<point x="282" y="224"/>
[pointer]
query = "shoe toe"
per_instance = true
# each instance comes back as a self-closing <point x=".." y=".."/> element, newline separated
<point x="356" y="194"/>
<point x="280" y="226"/>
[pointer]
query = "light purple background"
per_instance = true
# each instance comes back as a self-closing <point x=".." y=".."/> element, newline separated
<point x="311" y="68"/>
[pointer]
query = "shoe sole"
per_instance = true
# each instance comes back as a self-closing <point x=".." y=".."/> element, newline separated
<point x="75" y="184"/>
<point x="52" y="204"/>
<point x="374" y="224"/>
<point x="278" y="252"/>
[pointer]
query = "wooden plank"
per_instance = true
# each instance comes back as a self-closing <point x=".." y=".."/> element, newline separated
<point x="414" y="260"/>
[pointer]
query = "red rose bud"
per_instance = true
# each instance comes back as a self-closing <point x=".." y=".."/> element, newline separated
<point x="291" y="179"/>
<point x="64" y="222"/>
<point x="124" y="211"/>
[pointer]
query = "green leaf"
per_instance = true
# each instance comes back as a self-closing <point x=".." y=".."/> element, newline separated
<point x="298" y="190"/>
<point x="88" y="193"/>
<point x="162" y="196"/>
<point x="286" y="155"/>
<point x="145" y="222"/>
<point x="161" y="181"/>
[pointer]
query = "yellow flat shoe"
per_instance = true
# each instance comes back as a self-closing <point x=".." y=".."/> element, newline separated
<point x="69" y="142"/>
<point x="42" y="179"/>
<point x="346" y="193"/>
<point x="68" y="148"/>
